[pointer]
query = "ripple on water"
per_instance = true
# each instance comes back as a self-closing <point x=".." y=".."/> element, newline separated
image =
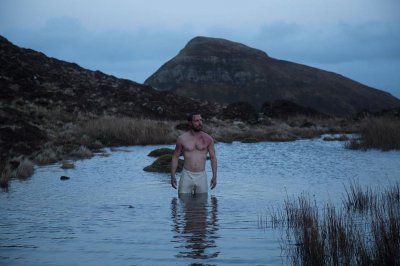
<point x="112" y="212"/>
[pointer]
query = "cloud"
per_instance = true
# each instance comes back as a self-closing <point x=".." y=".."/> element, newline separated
<point x="333" y="44"/>
<point x="114" y="52"/>
<point x="136" y="54"/>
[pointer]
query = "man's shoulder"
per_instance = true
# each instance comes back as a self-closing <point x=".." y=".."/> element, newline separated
<point x="184" y="135"/>
<point x="207" y="136"/>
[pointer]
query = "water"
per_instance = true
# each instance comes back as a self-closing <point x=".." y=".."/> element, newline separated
<point x="112" y="213"/>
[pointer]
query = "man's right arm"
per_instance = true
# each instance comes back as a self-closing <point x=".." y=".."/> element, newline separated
<point x="174" y="162"/>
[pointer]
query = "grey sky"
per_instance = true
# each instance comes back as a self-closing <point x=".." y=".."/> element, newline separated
<point x="359" y="39"/>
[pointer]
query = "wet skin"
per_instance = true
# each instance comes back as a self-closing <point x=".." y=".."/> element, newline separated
<point x="195" y="144"/>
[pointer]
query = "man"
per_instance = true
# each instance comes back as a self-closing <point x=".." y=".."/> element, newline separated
<point x="195" y="144"/>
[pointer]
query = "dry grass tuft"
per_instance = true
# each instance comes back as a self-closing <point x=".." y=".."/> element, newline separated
<point x="377" y="133"/>
<point x="18" y="167"/>
<point x="114" y="131"/>
<point x="81" y="153"/>
<point x="48" y="155"/>
<point x="5" y="178"/>
<point x="359" y="199"/>
<point x="67" y="165"/>
<point x="25" y="169"/>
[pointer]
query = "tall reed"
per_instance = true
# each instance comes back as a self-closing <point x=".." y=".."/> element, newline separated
<point x="20" y="168"/>
<point x="5" y="176"/>
<point x="378" y="133"/>
<point x="359" y="199"/>
<point x="367" y="233"/>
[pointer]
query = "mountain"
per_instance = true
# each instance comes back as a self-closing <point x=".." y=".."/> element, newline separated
<point x="39" y="95"/>
<point x="223" y="71"/>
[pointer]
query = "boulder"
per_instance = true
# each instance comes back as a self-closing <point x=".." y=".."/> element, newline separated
<point x="163" y="165"/>
<point x="160" y="152"/>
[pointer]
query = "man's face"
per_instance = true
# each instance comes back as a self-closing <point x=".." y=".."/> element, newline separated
<point x="197" y="123"/>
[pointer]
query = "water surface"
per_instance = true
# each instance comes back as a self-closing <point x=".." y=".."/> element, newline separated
<point x="112" y="213"/>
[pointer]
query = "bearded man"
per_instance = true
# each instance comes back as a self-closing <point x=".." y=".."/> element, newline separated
<point x="195" y="145"/>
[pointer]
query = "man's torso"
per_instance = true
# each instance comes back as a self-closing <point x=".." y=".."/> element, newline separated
<point x="195" y="148"/>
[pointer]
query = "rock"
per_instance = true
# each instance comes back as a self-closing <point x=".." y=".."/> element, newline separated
<point x="67" y="165"/>
<point x="63" y="177"/>
<point x="163" y="165"/>
<point x="336" y="138"/>
<point x="160" y="152"/>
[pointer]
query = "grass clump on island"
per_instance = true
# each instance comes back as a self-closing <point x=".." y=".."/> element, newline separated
<point x="377" y="133"/>
<point x="125" y="131"/>
<point x="366" y="231"/>
<point x="19" y="167"/>
<point x="294" y="128"/>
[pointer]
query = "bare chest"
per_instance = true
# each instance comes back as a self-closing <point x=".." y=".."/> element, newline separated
<point x="199" y="144"/>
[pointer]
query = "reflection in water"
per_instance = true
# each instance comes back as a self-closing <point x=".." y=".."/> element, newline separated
<point x="195" y="226"/>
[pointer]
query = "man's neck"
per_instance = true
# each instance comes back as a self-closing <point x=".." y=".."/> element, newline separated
<point x="195" y="133"/>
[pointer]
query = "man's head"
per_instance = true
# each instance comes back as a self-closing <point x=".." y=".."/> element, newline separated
<point x="195" y="121"/>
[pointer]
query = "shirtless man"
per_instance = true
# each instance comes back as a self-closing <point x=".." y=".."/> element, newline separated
<point x="195" y="144"/>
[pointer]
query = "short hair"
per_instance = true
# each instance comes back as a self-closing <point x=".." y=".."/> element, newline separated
<point x="190" y="116"/>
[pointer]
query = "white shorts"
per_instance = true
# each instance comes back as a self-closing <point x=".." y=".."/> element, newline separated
<point x="193" y="182"/>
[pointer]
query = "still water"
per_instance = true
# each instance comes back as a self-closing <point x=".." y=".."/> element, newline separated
<point x="111" y="212"/>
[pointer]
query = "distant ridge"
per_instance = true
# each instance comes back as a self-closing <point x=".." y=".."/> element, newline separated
<point x="223" y="71"/>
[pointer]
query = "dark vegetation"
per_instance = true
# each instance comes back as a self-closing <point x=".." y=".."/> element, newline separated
<point x="378" y="133"/>
<point x="364" y="231"/>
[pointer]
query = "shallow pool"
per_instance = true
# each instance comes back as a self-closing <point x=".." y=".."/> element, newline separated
<point x="111" y="212"/>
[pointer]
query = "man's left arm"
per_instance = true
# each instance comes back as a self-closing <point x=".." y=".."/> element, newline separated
<point x="213" y="159"/>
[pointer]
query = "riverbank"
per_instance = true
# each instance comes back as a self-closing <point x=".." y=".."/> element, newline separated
<point x="80" y="139"/>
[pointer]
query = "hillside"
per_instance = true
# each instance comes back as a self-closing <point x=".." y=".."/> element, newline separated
<point x="41" y="96"/>
<point x="225" y="72"/>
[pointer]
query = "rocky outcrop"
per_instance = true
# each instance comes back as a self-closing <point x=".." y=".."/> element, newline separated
<point x="163" y="165"/>
<point x="160" y="152"/>
<point x="226" y="72"/>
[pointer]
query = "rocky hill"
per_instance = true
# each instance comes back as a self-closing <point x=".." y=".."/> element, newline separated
<point x="226" y="72"/>
<point x="39" y="95"/>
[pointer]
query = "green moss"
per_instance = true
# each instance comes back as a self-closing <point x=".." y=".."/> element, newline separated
<point x="163" y="165"/>
<point x="160" y="152"/>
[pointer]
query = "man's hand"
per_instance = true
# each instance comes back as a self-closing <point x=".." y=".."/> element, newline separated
<point x="173" y="181"/>
<point x="213" y="182"/>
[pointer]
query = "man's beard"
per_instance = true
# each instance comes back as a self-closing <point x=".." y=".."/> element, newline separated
<point x="197" y="129"/>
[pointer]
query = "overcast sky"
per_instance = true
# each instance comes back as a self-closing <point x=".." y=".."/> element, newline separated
<point x="359" y="39"/>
